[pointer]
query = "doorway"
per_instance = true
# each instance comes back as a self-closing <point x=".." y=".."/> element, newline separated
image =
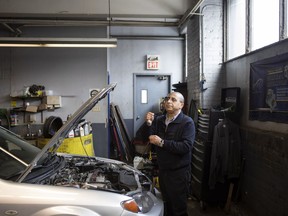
<point x="149" y="91"/>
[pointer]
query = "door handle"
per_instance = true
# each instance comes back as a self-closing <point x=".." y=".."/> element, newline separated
<point x="138" y="117"/>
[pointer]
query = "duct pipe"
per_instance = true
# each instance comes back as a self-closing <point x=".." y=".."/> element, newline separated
<point x="113" y="22"/>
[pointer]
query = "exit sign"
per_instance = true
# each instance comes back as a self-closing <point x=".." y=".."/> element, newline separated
<point x="152" y="62"/>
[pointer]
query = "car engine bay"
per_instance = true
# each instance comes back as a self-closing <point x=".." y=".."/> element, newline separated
<point x="90" y="173"/>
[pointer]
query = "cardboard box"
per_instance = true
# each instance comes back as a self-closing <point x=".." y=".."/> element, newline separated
<point x="52" y="100"/>
<point x="42" y="107"/>
<point x="31" y="108"/>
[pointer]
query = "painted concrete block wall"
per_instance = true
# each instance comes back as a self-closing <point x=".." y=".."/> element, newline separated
<point x="212" y="52"/>
<point x="238" y="72"/>
<point x="133" y="60"/>
<point x="264" y="189"/>
<point x="264" y="179"/>
<point x="69" y="72"/>
<point x="130" y="56"/>
<point x="72" y="72"/>
<point x="206" y="55"/>
<point x="194" y="61"/>
<point x="264" y="183"/>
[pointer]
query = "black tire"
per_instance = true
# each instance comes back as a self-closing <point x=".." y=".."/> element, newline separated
<point x="51" y="126"/>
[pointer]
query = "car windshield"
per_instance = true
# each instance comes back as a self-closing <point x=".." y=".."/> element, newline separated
<point x="15" y="153"/>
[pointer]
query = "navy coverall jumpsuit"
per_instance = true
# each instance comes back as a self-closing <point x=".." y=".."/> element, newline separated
<point x="174" y="160"/>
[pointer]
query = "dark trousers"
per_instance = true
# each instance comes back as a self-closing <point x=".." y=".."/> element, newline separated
<point x="174" y="186"/>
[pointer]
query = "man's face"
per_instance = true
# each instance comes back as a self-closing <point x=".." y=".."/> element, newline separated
<point x="172" y="103"/>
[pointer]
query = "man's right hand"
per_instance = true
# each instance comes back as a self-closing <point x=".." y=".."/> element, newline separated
<point x="149" y="118"/>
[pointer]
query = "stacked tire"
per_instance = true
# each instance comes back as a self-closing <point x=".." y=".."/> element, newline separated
<point x="51" y="125"/>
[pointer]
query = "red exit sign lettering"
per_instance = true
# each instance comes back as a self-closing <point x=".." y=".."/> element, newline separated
<point x="152" y="65"/>
<point x="152" y="62"/>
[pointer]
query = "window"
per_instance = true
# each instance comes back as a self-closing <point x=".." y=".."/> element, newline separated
<point x="144" y="96"/>
<point x="252" y="24"/>
<point x="264" y="23"/>
<point x="236" y="28"/>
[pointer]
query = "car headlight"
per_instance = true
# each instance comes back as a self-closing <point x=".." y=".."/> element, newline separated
<point x="140" y="203"/>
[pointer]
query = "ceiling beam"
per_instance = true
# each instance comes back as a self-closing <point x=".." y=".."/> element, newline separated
<point x="189" y="13"/>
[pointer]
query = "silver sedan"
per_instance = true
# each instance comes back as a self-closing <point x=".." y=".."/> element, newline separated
<point x="36" y="182"/>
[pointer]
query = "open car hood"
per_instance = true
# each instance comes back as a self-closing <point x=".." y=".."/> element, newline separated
<point x="60" y="135"/>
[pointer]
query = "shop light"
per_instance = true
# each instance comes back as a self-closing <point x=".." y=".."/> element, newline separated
<point x="58" y="42"/>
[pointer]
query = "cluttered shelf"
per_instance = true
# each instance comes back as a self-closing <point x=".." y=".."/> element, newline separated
<point x="50" y="102"/>
<point x="34" y="104"/>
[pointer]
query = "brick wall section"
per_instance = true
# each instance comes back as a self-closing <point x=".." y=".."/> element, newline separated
<point x="206" y="59"/>
<point x="265" y="186"/>
<point x="193" y="64"/>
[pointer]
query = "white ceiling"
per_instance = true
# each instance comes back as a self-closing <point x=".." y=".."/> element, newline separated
<point x="95" y="8"/>
<point x="151" y="11"/>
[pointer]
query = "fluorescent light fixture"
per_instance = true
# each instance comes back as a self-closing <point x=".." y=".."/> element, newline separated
<point x="58" y="42"/>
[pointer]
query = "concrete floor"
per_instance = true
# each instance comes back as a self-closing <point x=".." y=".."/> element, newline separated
<point x="196" y="209"/>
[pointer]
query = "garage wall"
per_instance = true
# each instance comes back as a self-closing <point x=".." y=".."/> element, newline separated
<point x="238" y="72"/>
<point x="205" y="55"/>
<point x="264" y="143"/>
<point x="130" y="57"/>
<point x="69" y="72"/>
<point x="72" y="72"/>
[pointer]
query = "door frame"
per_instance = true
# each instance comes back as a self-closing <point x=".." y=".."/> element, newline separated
<point x="135" y="75"/>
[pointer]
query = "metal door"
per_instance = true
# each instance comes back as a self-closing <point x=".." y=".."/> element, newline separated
<point x="149" y="91"/>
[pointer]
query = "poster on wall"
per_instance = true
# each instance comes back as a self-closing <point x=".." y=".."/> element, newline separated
<point x="269" y="89"/>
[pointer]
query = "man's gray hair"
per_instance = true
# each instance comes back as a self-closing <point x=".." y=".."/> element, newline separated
<point x="179" y="96"/>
